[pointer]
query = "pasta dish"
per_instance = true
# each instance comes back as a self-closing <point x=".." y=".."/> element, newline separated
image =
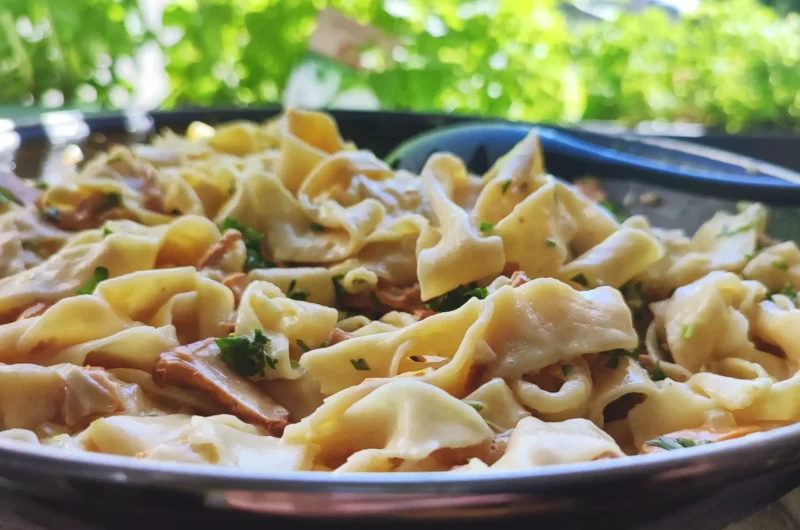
<point x="269" y="297"/>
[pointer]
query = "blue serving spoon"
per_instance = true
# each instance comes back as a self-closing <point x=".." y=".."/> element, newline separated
<point x="572" y="153"/>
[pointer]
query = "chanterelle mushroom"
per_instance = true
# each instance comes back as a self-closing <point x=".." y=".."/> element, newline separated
<point x="199" y="365"/>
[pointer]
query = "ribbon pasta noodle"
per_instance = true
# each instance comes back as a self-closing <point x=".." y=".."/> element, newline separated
<point x="269" y="297"/>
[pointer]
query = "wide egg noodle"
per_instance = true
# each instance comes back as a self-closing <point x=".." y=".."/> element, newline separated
<point x="398" y="423"/>
<point x="128" y="322"/>
<point x="538" y="443"/>
<point x="453" y="253"/>
<point x="708" y="319"/>
<point x="507" y="335"/>
<point x="498" y="405"/>
<point x="776" y="266"/>
<point x="190" y="299"/>
<point x="288" y="324"/>
<point x="128" y="247"/>
<point x="220" y="440"/>
<point x="570" y="400"/>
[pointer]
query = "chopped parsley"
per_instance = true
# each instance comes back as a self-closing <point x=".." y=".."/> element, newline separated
<point x="671" y="444"/>
<point x="6" y="197"/>
<point x="31" y="246"/>
<point x="789" y="291"/>
<point x="779" y="264"/>
<point x="687" y="330"/>
<point x="750" y="256"/>
<point x="176" y="211"/>
<point x="41" y="185"/>
<point x="580" y="279"/>
<point x="252" y="242"/>
<point x="303" y="345"/>
<point x="727" y="231"/>
<point x="475" y="405"/>
<point x="634" y="297"/>
<point x="338" y="289"/>
<point x="314" y="227"/>
<point x="297" y="294"/>
<point x="359" y="364"/>
<point x="100" y="274"/>
<point x="245" y="355"/>
<point x="551" y="242"/>
<point x="295" y="365"/>
<point x="614" y="356"/>
<point x="459" y="296"/>
<point x="107" y="231"/>
<point x="324" y="344"/>
<point x="613" y="210"/>
<point x="113" y="200"/>
<point x="505" y="186"/>
<point x="566" y="369"/>
<point x="657" y="374"/>
<point x="486" y="227"/>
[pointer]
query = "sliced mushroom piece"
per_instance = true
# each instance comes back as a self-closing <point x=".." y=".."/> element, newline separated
<point x="216" y="251"/>
<point x="200" y="366"/>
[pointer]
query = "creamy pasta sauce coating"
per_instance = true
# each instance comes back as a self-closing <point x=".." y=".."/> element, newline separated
<point x="269" y="297"/>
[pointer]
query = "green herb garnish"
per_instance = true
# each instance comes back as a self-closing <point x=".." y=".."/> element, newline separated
<point x="486" y="227"/>
<point x="580" y="279"/>
<point x="113" y="200"/>
<point x="551" y="242"/>
<point x="314" y="227"/>
<point x="657" y="374"/>
<point x="100" y="274"/>
<point x="252" y="242"/>
<point x="297" y="294"/>
<point x="107" y="231"/>
<point x="303" y="345"/>
<point x="457" y="297"/>
<point x="300" y="294"/>
<point x="566" y="369"/>
<point x="671" y="444"/>
<point x="295" y="365"/>
<point x="613" y="210"/>
<point x="505" y="186"/>
<point x="246" y="356"/>
<point x="475" y="405"/>
<point x="789" y="291"/>
<point x="614" y="356"/>
<point x="687" y="330"/>
<point x="359" y="364"/>
<point x="338" y="289"/>
<point x="176" y="211"/>
<point x="41" y="185"/>
<point x="728" y="231"/>
<point x="634" y="297"/>
<point x="6" y="197"/>
<point x="779" y="264"/>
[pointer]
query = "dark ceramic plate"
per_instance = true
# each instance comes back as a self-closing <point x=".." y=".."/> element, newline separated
<point x="704" y="487"/>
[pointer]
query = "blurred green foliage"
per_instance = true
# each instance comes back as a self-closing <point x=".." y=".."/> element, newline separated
<point x="732" y="63"/>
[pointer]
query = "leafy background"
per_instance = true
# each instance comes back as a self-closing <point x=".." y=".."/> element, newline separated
<point x="732" y="63"/>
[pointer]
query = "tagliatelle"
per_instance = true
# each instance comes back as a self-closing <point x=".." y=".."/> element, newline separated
<point x="268" y="297"/>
